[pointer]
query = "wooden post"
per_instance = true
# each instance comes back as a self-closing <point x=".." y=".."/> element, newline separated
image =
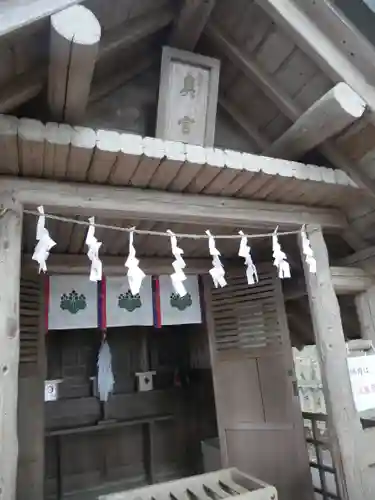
<point x="10" y="261"/>
<point x="365" y="304"/>
<point x="345" y="428"/>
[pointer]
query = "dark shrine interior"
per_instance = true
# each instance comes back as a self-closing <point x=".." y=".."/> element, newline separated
<point x="136" y="437"/>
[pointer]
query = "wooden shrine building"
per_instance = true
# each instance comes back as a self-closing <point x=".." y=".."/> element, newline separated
<point x="188" y="116"/>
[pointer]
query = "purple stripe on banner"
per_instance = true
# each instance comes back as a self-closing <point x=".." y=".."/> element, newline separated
<point x="102" y="306"/>
<point x="156" y="301"/>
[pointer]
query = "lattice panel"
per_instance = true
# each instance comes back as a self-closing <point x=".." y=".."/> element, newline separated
<point x="30" y="300"/>
<point x="246" y="317"/>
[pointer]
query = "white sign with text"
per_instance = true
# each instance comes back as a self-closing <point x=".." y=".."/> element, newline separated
<point x="362" y="376"/>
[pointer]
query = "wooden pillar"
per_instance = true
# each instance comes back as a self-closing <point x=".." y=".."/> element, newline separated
<point x="10" y="260"/>
<point x="365" y="304"/>
<point x="345" y="428"/>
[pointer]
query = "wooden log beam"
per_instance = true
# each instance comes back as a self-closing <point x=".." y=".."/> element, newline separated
<point x="16" y="15"/>
<point x="345" y="280"/>
<point x="350" y="280"/>
<point x="286" y="105"/>
<point x="319" y="46"/>
<point x="331" y="114"/>
<point x="345" y="427"/>
<point x="74" y="45"/>
<point x="10" y="260"/>
<point x="26" y="86"/>
<point x="135" y="203"/>
<point x="190" y="23"/>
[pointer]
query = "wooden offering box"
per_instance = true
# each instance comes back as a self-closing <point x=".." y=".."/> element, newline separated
<point x="223" y="484"/>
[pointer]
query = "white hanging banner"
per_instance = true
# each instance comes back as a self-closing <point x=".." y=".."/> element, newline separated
<point x="73" y="302"/>
<point x="177" y="310"/>
<point x="126" y="309"/>
<point x="362" y="377"/>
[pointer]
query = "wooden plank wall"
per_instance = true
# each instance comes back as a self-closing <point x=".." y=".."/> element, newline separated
<point x="117" y="455"/>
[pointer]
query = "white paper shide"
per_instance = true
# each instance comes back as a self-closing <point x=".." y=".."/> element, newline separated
<point x="45" y="242"/>
<point x="94" y="245"/>
<point x="217" y="271"/>
<point x="279" y="257"/>
<point x="178" y="277"/>
<point x="135" y="274"/>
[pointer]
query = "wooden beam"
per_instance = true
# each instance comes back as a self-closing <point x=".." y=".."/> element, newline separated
<point x="350" y="280"/>
<point x="365" y="256"/>
<point x="74" y="45"/>
<point x="333" y="112"/>
<point x="22" y="89"/>
<point x="255" y="136"/>
<point x="134" y="30"/>
<point x="16" y="15"/>
<point x="319" y="46"/>
<point x="10" y="260"/>
<point x="345" y="280"/>
<point x="134" y="203"/>
<point x="26" y="86"/>
<point x="101" y="88"/>
<point x="190" y="23"/>
<point x="285" y="103"/>
<point x="79" y="264"/>
<point x="345" y="428"/>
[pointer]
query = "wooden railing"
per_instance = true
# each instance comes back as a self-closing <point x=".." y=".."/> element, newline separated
<point x="322" y="468"/>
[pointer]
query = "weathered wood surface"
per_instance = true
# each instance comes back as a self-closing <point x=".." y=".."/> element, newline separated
<point x="65" y="152"/>
<point x="26" y="85"/>
<point x="136" y="203"/>
<point x="348" y="280"/>
<point x="74" y="46"/>
<point x="345" y="280"/>
<point x="190" y="23"/>
<point x="19" y="13"/>
<point x="288" y="106"/>
<point x="319" y="46"/>
<point x="365" y="305"/>
<point x="10" y="261"/>
<point x="188" y="94"/>
<point x="345" y="427"/>
<point x="333" y="112"/>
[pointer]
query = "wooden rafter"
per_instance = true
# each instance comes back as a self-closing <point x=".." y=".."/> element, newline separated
<point x="190" y="23"/>
<point x="104" y="87"/>
<point x="74" y="46"/>
<point x="261" y="141"/>
<point x="319" y="46"/>
<point x="134" y="30"/>
<point x="29" y="85"/>
<point x="136" y="203"/>
<point x="30" y="148"/>
<point x="286" y="105"/>
<point x="333" y="112"/>
<point x="16" y="16"/>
